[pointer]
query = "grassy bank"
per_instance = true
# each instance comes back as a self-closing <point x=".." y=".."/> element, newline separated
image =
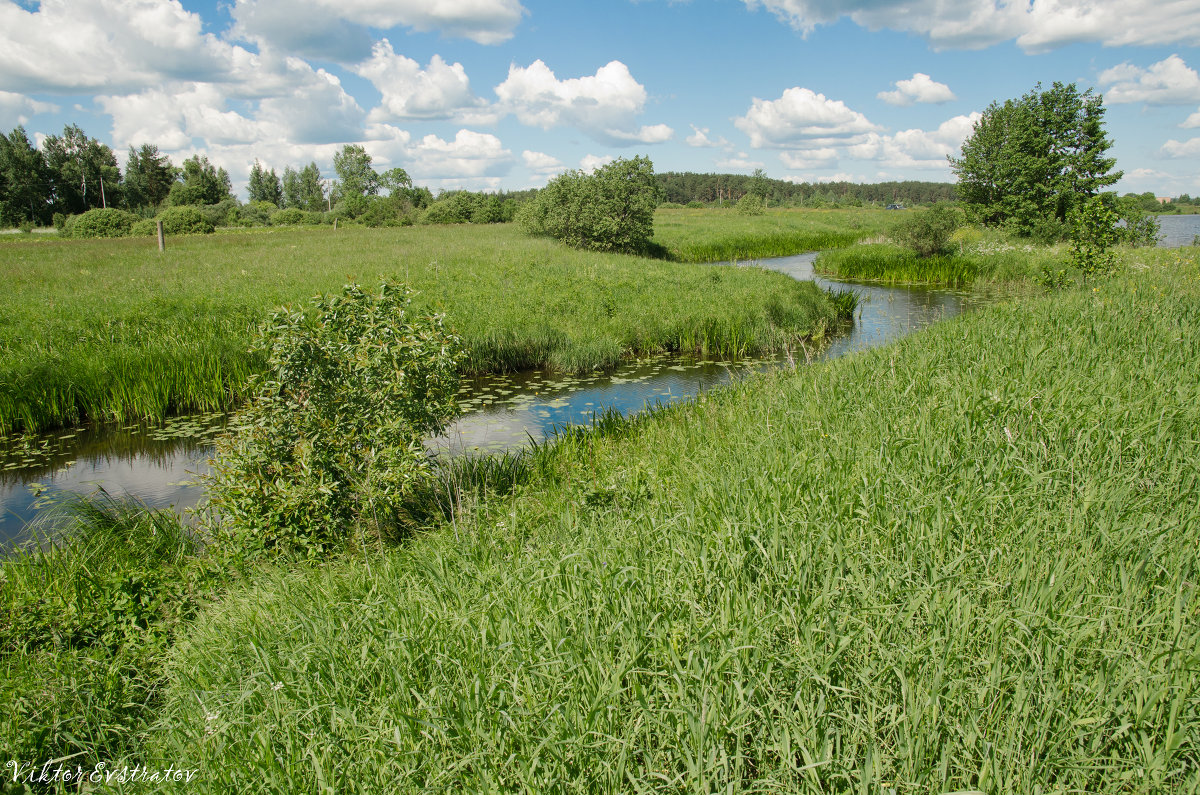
<point x="729" y="236"/>
<point x="111" y="329"/>
<point x="963" y="562"/>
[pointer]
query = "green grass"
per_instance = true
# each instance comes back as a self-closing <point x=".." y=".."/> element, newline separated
<point x="112" y="329"/>
<point x="964" y="562"/>
<point x="729" y="236"/>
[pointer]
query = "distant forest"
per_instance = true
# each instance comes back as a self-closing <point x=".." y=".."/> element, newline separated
<point x="685" y="187"/>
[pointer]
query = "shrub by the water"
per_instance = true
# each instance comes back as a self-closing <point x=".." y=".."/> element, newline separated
<point x="611" y="209"/>
<point x="101" y="222"/>
<point x="927" y="232"/>
<point x="333" y="437"/>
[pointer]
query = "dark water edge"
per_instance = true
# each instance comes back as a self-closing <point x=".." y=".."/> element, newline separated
<point x="159" y="464"/>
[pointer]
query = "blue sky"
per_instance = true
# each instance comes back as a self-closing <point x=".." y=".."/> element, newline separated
<point x="506" y="93"/>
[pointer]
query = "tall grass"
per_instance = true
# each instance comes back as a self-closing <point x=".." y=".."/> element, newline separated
<point x="112" y="329"/>
<point x="86" y="616"/>
<point x="727" y="236"/>
<point x="965" y="562"/>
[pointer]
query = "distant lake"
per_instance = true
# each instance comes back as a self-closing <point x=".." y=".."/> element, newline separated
<point x="1177" y="230"/>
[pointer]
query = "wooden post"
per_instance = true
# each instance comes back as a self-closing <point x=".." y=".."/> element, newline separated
<point x="162" y="240"/>
<point x="335" y="224"/>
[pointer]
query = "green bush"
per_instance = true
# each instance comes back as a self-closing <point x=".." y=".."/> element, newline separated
<point x="751" y="204"/>
<point x="99" y="222"/>
<point x="294" y="216"/>
<point x="1093" y="231"/>
<point x="332" y="441"/>
<point x="185" y="220"/>
<point x="927" y="232"/>
<point x="694" y="205"/>
<point x="609" y="210"/>
<point x="143" y="228"/>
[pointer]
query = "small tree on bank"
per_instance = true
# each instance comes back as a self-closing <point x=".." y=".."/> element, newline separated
<point x="611" y="209"/>
<point x="1031" y="161"/>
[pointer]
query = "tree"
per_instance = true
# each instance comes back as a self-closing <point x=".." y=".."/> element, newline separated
<point x="356" y="178"/>
<point x="1035" y="159"/>
<point x="83" y="171"/>
<point x="201" y="183"/>
<point x="24" y="181"/>
<point x="264" y="186"/>
<point x="149" y="176"/>
<point x="609" y="210"/>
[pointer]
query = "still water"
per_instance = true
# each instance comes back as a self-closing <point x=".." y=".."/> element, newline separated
<point x="1177" y="230"/>
<point x="159" y="464"/>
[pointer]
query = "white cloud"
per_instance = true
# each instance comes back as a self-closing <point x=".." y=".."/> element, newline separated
<point x="470" y="155"/>
<point x="799" y="117"/>
<point x="1191" y="121"/>
<point x="105" y="44"/>
<point x="740" y="162"/>
<point x="541" y="163"/>
<point x="921" y="88"/>
<point x="603" y="105"/>
<point x="440" y="91"/>
<point x="1189" y="148"/>
<point x="1168" y="82"/>
<point x="337" y="29"/>
<point x="15" y="109"/>
<point x="805" y="159"/>
<point x="1035" y="25"/>
<point x="699" y="138"/>
<point x="924" y="149"/>
<point x="590" y="163"/>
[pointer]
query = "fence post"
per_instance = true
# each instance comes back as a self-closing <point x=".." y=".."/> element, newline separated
<point x="162" y="240"/>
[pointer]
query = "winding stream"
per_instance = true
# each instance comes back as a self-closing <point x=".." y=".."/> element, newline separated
<point x="158" y="463"/>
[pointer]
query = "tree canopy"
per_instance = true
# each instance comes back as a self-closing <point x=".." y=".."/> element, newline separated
<point x="1032" y="161"/>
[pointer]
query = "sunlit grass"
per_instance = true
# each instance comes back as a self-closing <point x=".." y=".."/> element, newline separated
<point x="963" y="562"/>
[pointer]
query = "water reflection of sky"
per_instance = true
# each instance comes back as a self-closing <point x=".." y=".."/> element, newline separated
<point x="158" y="465"/>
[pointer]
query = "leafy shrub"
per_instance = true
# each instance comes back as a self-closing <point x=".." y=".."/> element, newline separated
<point x="609" y="210"/>
<point x="221" y="213"/>
<point x="1093" y="231"/>
<point x="100" y="222"/>
<point x="332" y="440"/>
<point x="144" y="227"/>
<point x="185" y="220"/>
<point x="59" y="220"/>
<point x="927" y="232"/>
<point x="387" y="211"/>
<point x="294" y="216"/>
<point x="26" y="227"/>
<point x="256" y="213"/>
<point x="751" y="204"/>
<point x="694" y="205"/>
<point x="670" y="206"/>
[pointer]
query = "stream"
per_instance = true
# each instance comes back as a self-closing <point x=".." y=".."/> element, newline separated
<point x="158" y="463"/>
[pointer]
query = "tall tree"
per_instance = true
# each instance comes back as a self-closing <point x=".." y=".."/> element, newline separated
<point x="84" y="171"/>
<point x="1035" y="158"/>
<point x="264" y="186"/>
<point x="312" y="189"/>
<point x="149" y="176"/>
<point x="25" y="187"/>
<point x="356" y="178"/>
<point x="201" y="183"/>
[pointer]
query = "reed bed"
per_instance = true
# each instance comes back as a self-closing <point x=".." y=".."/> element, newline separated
<point x="728" y="236"/>
<point x="964" y="562"/>
<point x="114" y="330"/>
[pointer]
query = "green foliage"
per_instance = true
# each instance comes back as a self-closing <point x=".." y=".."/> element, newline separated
<point x="611" y="209"/>
<point x="332" y="440"/>
<point x="356" y="178"/>
<point x="185" y="220"/>
<point x="751" y="204"/>
<point x="83" y="171"/>
<point x="927" y="232"/>
<point x="264" y="186"/>
<point x="895" y="265"/>
<point x="1035" y="158"/>
<point x="294" y="216"/>
<point x="25" y="190"/>
<point x="1093" y="232"/>
<point x="1140" y="227"/>
<point x="201" y="183"/>
<point x="102" y="222"/>
<point x="149" y="176"/>
<point x="303" y="189"/>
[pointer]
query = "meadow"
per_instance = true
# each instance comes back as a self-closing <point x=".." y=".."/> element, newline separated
<point x="963" y="562"/>
<point x="114" y="330"/>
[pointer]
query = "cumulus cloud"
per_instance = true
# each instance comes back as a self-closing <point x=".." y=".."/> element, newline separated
<point x="924" y="149"/>
<point x="15" y="109"/>
<point x="541" y="163"/>
<point x="739" y="162"/>
<point x="1168" y="82"/>
<point x="806" y="159"/>
<point x="337" y="29"/>
<point x="1036" y="26"/>
<point x="801" y="117"/>
<point x="1189" y="148"/>
<point x="603" y="105"/>
<point x="439" y="91"/>
<point x="920" y="88"/>
<point x="105" y="44"/>
<point x="470" y="155"/>
<point x="699" y="138"/>
<point x="590" y="163"/>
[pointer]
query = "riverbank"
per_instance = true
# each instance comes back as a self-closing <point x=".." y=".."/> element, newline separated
<point x="965" y="561"/>
<point x="112" y="329"/>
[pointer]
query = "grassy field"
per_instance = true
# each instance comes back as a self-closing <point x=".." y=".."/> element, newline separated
<point x="729" y="236"/>
<point x="111" y="329"/>
<point x="964" y="562"/>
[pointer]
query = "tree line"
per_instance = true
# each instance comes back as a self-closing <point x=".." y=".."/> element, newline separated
<point x="687" y="187"/>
